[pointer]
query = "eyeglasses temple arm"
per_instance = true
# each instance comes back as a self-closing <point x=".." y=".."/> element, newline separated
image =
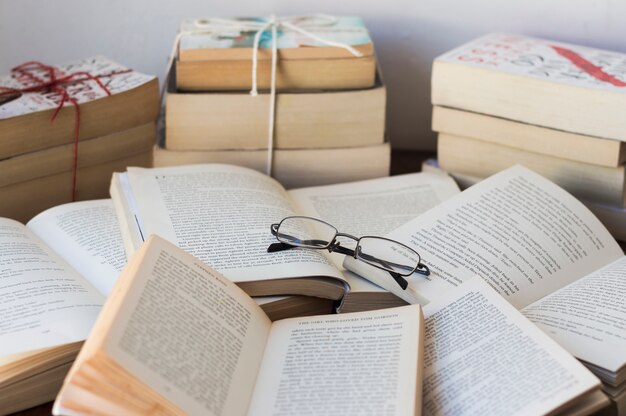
<point x="341" y="249"/>
<point x="399" y="280"/>
<point x="274" y="247"/>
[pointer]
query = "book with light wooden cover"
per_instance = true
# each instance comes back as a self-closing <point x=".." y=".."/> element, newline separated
<point x="25" y="122"/>
<point x="294" y="167"/>
<point x="540" y="82"/>
<point x="479" y="158"/>
<point x="324" y="119"/>
<point x="216" y="56"/>
<point x="528" y="137"/>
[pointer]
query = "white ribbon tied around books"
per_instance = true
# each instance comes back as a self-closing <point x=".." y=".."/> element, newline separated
<point x="304" y="25"/>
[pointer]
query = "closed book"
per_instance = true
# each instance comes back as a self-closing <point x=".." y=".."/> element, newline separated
<point x="294" y="167"/>
<point x="59" y="159"/>
<point x="523" y="136"/>
<point x="217" y="56"/>
<point x="21" y="201"/>
<point x="478" y="158"/>
<point x="237" y="120"/>
<point x="25" y="123"/>
<point x="550" y="84"/>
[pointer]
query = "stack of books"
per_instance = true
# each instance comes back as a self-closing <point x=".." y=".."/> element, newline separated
<point x="105" y="123"/>
<point x="556" y="108"/>
<point x="329" y="115"/>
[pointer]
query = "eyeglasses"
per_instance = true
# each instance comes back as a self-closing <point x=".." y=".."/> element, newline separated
<point x="389" y="255"/>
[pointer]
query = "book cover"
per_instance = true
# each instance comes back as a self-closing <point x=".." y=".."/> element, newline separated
<point x="544" y="59"/>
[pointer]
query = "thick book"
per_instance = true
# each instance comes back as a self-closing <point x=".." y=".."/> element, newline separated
<point x="222" y="214"/>
<point x="537" y="246"/>
<point x="601" y="184"/>
<point x="214" y="56"/>
<point x="23" y="200"/>
<point x="176" y="337"/>
<point x="545" y="83"/>
<point x="528" y="137"/>
<point x="294" y="167"/>
<point x="56" y="272"/>
<point x="304" y="120"/>
<point x="59" y="159"/>
<point x="134" y="101"/>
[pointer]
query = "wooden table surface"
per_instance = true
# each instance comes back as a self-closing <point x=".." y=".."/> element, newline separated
<point x="402" y="161"/>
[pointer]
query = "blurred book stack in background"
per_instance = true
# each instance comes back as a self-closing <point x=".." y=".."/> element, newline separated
<point x="329" y="115"/>
<point x="65" y="129"/>
<point x="558" y="109"/>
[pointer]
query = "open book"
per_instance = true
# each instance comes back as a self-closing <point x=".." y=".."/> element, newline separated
<point x="176" y="337"/>
<point x="55" y="274"/>
<point x="537" y="246"/>
<point x="482" y="357"/>
<point x="222" y="214"/>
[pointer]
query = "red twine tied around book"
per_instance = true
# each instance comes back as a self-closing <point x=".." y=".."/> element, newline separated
<point x="57" y="85"/>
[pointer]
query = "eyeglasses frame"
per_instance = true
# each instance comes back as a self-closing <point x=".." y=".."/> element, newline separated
<point x="335" y="246"/>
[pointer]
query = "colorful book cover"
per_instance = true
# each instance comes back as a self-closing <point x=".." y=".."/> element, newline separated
<point x="209" y="33"/>
<point x="544" y="59"/>
<point x="116" y="78"/>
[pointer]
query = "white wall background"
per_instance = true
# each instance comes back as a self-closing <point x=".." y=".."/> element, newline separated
<point x="408" y="34"/>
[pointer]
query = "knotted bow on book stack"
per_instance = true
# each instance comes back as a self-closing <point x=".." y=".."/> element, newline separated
<point x="55" y="86"/>
<point x="46" y="111"/>
<point x="328" y="99"/>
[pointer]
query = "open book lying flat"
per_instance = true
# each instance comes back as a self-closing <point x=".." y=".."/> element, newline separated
<point x="222" y="214"/>
<point x="56" y="273"/>
<point x="175" y="337"/>
<point x="207" y="349"/>
<point x="541" y="249"/>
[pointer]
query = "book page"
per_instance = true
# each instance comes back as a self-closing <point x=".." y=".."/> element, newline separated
<point x="482" y="357"/>
<point x="520" y="232"/>
<point x="588" y="317"/>
<point x="357" y="363"/>
<point x="188" y="333"/>
<point x="376" y="206"/>
<point x="87" y="235"/>
<point x="373" y="207"/>
<point x="222" y="214"/>
<point x="43" y="301"/>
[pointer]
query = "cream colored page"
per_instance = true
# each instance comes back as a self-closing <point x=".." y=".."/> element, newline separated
<point x="523" y="234"/>
<point x="373" y="207"/>
<point x="189" y="334"/>
<point x="87" y="235"/>
<point x="588" y="317"/>
<point x="349" y="364"/>
<point x="222" y="214"/>
<point x="43" y="301"/>
<point x="482" y="357"/>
